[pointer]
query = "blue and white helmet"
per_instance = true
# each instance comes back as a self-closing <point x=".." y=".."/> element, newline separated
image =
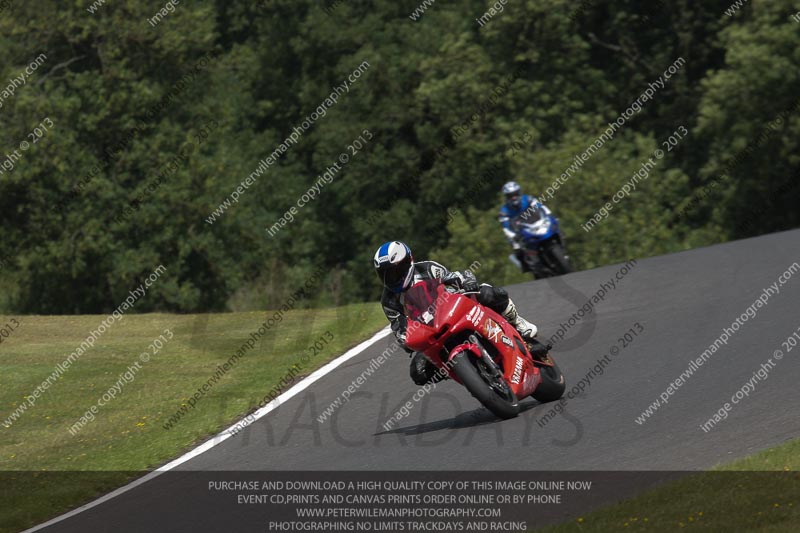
<point x="395" y="266"/>
<point x="513" y="193"/>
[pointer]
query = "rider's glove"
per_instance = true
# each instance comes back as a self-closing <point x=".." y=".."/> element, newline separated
<point x="468" y="282"/>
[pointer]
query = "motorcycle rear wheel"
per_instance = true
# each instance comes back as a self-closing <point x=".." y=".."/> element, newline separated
<point x="494" y="394"/>
<point x="552" y="386"/>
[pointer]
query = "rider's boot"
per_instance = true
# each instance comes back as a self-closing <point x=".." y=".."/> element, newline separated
<point x="526" y="330"/>
<point x="538" y="350"/>
<point x="520" y="253"/>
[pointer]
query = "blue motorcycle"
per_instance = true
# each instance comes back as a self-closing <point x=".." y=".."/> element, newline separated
<point x="543" y="247"/>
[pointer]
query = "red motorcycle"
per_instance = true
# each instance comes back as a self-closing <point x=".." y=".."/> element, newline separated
<point x="478" y="348"/>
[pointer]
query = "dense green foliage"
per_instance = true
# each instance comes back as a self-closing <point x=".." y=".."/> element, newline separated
<point x="196" y="102"/>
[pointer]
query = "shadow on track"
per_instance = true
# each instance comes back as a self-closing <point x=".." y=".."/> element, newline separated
<point x="477" y="417"/>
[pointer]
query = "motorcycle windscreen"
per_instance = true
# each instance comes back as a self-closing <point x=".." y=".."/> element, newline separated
<point x="537" y="225"/>
<point x="532" y="215"/>
<point x="419" y="302"/>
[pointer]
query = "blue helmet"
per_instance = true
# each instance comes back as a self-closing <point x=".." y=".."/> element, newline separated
<point x="395" y="266"/>
<point x="513" y="194"/>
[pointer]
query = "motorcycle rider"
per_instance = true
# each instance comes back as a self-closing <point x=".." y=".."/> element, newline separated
<point x="517" y="204"/>
<point x="398" y="271"/>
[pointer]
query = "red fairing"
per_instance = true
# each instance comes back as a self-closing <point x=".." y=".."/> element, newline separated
<point x="435" y="316"/>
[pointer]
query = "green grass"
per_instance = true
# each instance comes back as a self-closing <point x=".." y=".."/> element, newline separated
<point x="757" y="493"/>
<point x="127" y="436"/>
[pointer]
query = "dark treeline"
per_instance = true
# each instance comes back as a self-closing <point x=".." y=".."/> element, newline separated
<point x="137" y="133"/>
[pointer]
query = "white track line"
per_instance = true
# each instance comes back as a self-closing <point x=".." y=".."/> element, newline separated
<point x="224" y="435"/>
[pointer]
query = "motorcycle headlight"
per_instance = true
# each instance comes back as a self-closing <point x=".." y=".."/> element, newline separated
<point x="542" y="226"/>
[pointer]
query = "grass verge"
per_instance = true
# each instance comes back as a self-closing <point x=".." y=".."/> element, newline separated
<point x="127" y="434"/>
<point x="756" y="493"/>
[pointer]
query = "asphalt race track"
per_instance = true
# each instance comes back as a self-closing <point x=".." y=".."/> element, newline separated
<point x="681" y="303"/>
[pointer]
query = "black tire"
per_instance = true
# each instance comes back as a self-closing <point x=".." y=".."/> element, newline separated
<point x="503" y="407"/>
<point x="558" y="258"/>
<point x="542" y="271"/>
<point x="552" y="386"/>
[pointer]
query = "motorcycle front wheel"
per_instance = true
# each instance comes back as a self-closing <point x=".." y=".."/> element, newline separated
<point x="492" y="391"/>
<point x="558" y="258"/>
